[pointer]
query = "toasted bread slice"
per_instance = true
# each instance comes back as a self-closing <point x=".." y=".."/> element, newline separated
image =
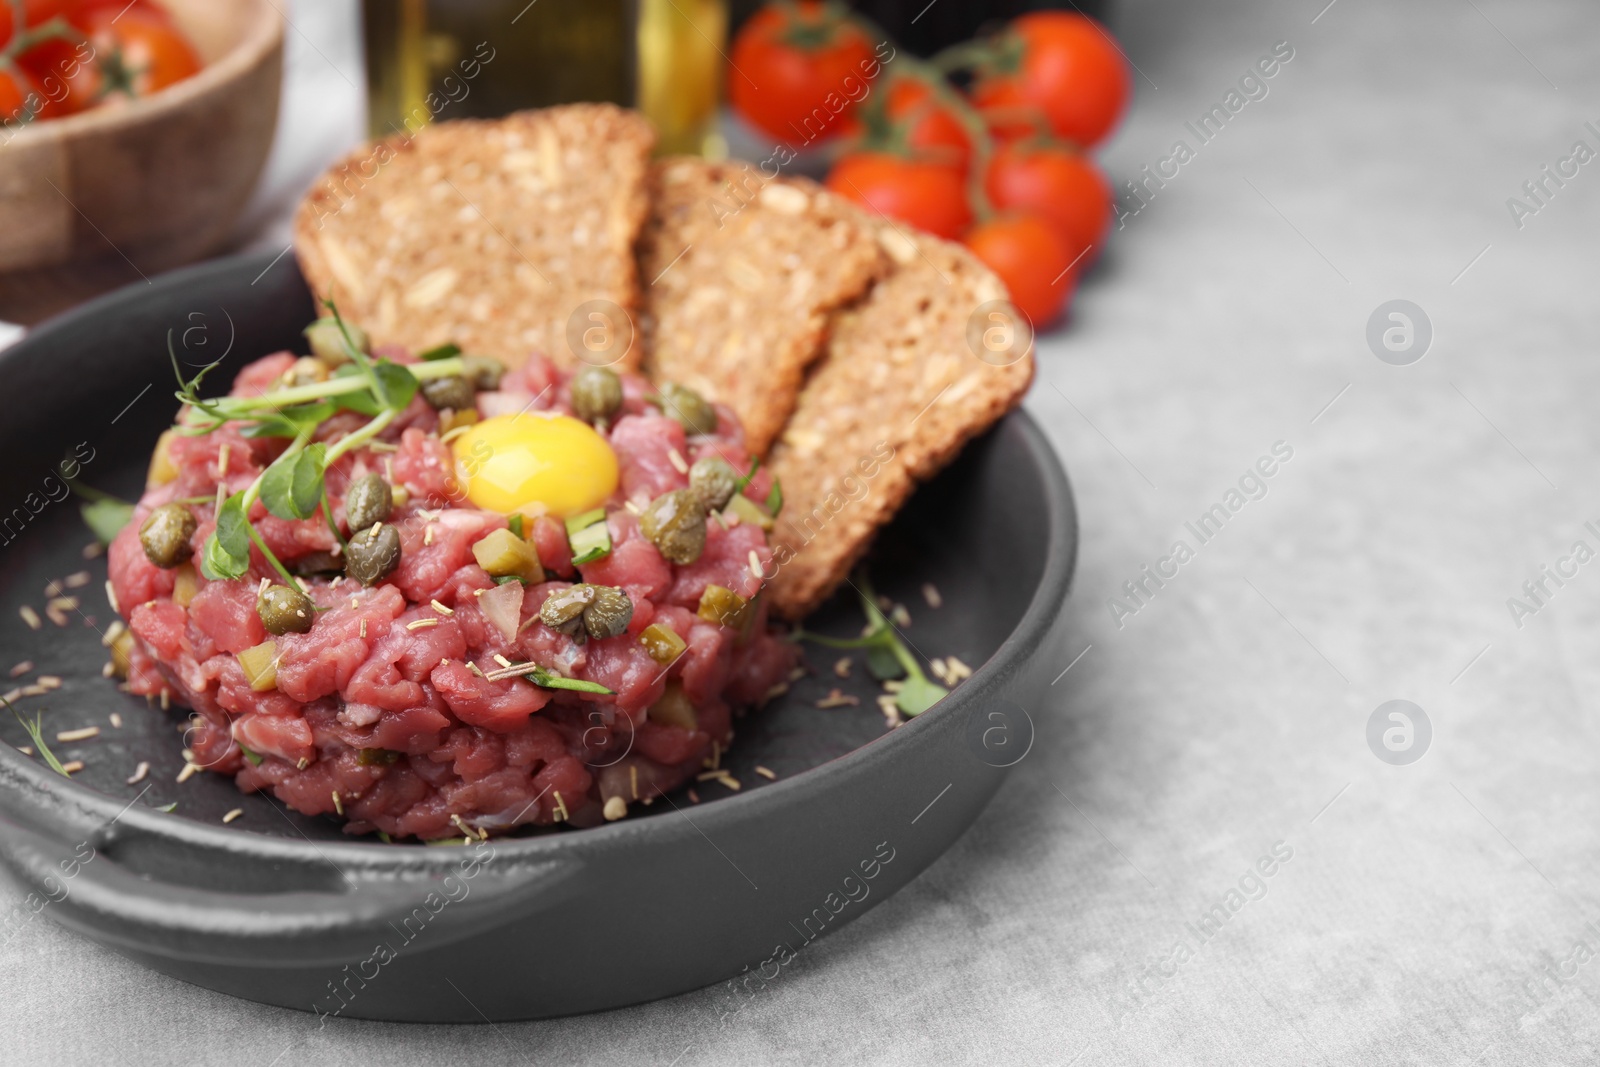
<point x="899" y="390"/>
<point x="740" y="274"/>
<point x="487" y="233"/>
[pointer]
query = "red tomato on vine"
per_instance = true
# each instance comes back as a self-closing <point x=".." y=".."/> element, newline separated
<point x="1025" y="251"/>
<point x="796" y="70"/>
<point x="1056" y="70"/>
<point x="1061" y="185"/>
<point x="930" y="196"/>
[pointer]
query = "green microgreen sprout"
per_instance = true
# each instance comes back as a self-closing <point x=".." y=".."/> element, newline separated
<point x="35" y="728"/>
<point x="887" y="655"/>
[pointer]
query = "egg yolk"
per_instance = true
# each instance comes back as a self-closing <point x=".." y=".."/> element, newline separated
<point x="510" y="462"/>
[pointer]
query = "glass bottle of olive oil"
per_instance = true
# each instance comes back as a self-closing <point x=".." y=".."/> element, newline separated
<point x="430" y="60"/>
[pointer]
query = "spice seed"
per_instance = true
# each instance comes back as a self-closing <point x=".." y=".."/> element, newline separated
<point x="22" y="668"/>
<point x="930" y="593"/>
<point x="116" y="719"/>
<point x="30" y="617"/>
<point x="68" y="736"/>
<point x="766" y="773"/>
<point x="139" y="773"/>
<point x="232" y="815"/>
<point x="72" y="766"/>
<point x="188" y="772"/>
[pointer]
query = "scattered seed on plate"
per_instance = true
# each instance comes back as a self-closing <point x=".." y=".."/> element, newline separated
<point x="22" y="668"/>
<point x="232" y="815"/>
<point x="83" y="734"/>
<point x="900" y="616"/>
<point x="797" y="674"/>
<point x="838" y="699"/>
<point x="114" y="631"/>
<point x="694" y="798"/>
<point x="57" y="609"/>
<point x="842" y="667"/>
<point x="72" y="766"/>
<point x="26" y="750"/>
<point x="766" y="773"/>
<point x="111" y="598"/>
<point x="188" y="772"/>
<point x="893" y="685"/>
<point x="139" y="773"/>
<point x="955" y="670"/>
<point x="775" y="692"/>
<point x="116" y="720"/>
<point x="76" y="580"/>
<point x="615" y="808"/>
<point x="930" y="593"/>
<point x="30" y="617"/>
<point x="49" y="682"/>
<point x="940" y="671"/>
<point x="93" y="550"/>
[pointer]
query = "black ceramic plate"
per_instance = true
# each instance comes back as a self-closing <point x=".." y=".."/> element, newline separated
<point x="284" y="909"/>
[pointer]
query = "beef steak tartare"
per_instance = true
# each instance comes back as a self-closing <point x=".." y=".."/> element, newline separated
<point x="434" y="597"/>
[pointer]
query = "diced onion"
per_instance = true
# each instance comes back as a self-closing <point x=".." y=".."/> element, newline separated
<point x="502" y="606"/>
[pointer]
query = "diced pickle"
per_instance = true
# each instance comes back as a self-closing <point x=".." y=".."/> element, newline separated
<point x="503" y="554"/>
<point x="260" y="665"/>
<point x="122" y="653"/>
<point x="662" y="642"/>
<point x="748" y="511"/>
<point x="723" y="606"/>
<point x="589" y="536"/>
<point x="376" y="757"/>
<point x="328" y="343"/>
<point x="674" y="709"/>
<point x="162" y="469"/>
<point x="185" y="584"/>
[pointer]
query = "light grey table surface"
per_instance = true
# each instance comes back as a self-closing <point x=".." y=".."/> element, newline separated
<point x="1422" y="904"/>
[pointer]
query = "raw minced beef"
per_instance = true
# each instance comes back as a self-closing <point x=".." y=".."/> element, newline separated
<point x="385" y="724"/>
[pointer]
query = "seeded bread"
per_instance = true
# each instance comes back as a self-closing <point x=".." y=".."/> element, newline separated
<point x="740" y="274"/>
<point x="490" y="234"/>
<point x="899" y="390"/>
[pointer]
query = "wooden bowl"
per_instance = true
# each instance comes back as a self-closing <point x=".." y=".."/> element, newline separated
<point x="119" y="194"/>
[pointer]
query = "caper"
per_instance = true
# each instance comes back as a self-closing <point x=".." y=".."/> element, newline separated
<point x="596" y="393"/>
<point x="609" y="614"/>
<point x="484" y="372"/>
<point x="713" y="481"/>
<point x="368" y="500"/>
<point x="453" y="392"/>
<point x="285" y="611"/>
<point x="563" y="609"/>
<point x="691" y="410"/>
<point x="327" y="342"/>
<point x="675" y="522"/>
<point x="372" y="554"/>
<point x="166" y="534"/>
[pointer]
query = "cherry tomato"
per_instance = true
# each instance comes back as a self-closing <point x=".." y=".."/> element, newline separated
<point x="1063" y="186"/>
<point x="15" y="88"/>
<point x="1025" y="251"/>
<point x="66" y="75"/>
<point x="796" y="70"/>
<point x="930" y="196"/>
<point x="138" y="52"/>
<point x="1060" y="68"/>
<point x="910" y="110"/>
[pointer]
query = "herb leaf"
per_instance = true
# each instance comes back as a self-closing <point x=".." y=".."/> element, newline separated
<point x="882" y="664"/>
<point x="445" y="351"/>
<point x="106" y="517"/>
<point x="291" y="421"/>
<point x="397" y="384"/>
<point x="918" y="695"/>
<point x="227" y="550"/>
<point x="292" y="487"/>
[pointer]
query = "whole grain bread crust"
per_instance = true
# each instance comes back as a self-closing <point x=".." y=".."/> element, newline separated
<point x="900" y="389"/>
<point x="493" y="234"/>
<point x="741" y="272"/>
